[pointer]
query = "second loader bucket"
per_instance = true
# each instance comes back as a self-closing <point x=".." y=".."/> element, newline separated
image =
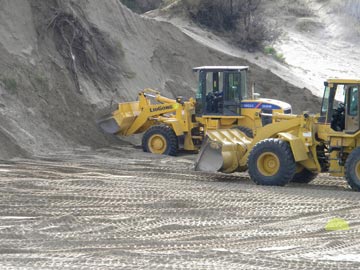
<point x="222" y="151"/>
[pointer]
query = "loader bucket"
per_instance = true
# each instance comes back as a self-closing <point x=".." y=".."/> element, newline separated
<point x="222" y="151"/>
<point x="209" y="158"/>
<point x="120" y="120"/>
<point x="108" y="124"/>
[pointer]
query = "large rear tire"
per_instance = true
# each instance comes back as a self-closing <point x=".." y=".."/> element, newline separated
<point x="271" y="163"/>
<point x="160" y="140"/>
<point x="352" y="169"/>
<point x="303" y="176"/>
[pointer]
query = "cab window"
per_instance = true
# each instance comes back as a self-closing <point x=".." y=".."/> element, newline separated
<point x="233" y="93"/>
<point x="325" y="105"/>
<point x="353" y="101"/>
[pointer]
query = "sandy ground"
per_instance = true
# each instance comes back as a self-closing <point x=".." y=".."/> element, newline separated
<point x="123" y="209"/>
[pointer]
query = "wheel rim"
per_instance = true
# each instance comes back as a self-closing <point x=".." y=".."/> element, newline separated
<point x="357" y="170"/>
<point x="268" y="164"/>
<point x="157" y="144"/>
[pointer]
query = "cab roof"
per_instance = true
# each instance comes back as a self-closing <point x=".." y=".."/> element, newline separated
<point x="342" y="81"/>
<point x="221" y="68"/>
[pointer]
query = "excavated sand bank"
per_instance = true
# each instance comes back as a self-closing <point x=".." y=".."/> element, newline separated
<point x="64" y="62"/>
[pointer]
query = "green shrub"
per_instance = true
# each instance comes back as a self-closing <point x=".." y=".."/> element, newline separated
<point x="276" y="55"/>
<point x="269" y="50"/>
<point x="280" y="57"/>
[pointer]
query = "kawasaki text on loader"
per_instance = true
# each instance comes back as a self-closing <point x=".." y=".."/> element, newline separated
<point x="295" y="147"/>
<point x="173" y="124"/>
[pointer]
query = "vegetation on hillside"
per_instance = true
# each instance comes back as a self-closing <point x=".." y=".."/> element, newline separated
<point x="242" y="19"/>
<point x="245" y="22"/>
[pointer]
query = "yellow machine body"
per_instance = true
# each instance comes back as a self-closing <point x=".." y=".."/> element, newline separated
<point x="137" y="117"/>
<point x="172" y="124"/>
<point x="233" y="146"/>
<point x="327" y="142"/>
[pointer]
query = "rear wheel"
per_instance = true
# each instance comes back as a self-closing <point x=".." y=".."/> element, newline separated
<point x="303" y="175"/>
<point x="271" y="163"/>
<point x="247" y="131"/>
<point x="160" y="140"/>
<point x="352" y="169"/>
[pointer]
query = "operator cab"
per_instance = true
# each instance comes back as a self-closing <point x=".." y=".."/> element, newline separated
<point x="340" y="107"/>
<point x="221" y="90"/>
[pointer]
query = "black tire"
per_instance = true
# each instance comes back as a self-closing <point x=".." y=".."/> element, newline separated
<point x="286" y="165"/>
<point x="352" y="169"/>
<point x="167" y="133"/>
<point x="247" y="131"/>
<point x="304" y="176"/>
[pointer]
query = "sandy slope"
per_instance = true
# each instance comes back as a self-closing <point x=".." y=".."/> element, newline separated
<point x="322" y="46"/>
<point x="316" y="47"/>
<point x="54" y="84"/>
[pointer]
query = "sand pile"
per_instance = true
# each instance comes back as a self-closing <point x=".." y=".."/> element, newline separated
<point x="63" y="63"/>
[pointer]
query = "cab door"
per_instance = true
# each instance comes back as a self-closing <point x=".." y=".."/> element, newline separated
<point x="232" y="93"/>
<point x="352" y="109"/>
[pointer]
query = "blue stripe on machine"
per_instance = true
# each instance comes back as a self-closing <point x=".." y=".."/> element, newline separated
<point x="259" y="105"/>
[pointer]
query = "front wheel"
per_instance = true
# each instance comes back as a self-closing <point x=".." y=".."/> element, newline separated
<point x="271" y="163"/>
<point x="352" y="169"/>
<point x="160" y="140"/>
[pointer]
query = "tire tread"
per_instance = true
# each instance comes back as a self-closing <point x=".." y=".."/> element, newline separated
<point x="287" y="171"/>
<point x="350" y="176"/>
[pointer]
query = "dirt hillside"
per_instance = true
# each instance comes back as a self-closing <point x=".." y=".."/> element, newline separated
<point x="64" y="62"/>
<point x="318" y="40"/>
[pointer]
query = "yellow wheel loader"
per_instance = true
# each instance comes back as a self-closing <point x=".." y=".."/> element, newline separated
<point x="295" y="147"/>
<point x="172" y="124"/>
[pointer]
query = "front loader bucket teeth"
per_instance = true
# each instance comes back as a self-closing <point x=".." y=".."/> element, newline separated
<point x="209" y="158"/>
<point x="223" y="151"/>
<point x="108" y="124"/>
